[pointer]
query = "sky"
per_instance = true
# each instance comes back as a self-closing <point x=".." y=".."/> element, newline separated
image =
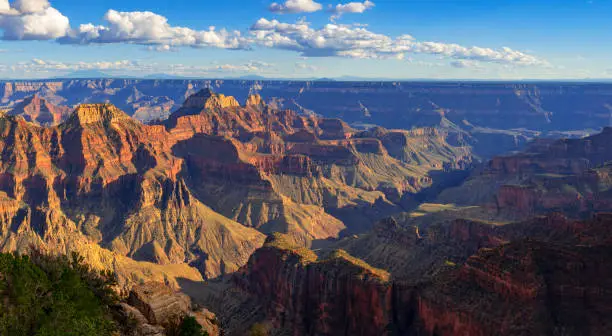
<point x="391" y="39"/>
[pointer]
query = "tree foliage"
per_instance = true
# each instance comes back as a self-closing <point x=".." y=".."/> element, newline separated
<point x="191" y="327"/>
<point x="44" y="295"/>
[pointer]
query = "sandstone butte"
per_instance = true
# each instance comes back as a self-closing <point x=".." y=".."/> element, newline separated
<point x="194" y="196"/>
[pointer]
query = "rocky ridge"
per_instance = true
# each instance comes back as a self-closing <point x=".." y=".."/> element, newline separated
<point x="197" y="191"/>
<point x="507" y="115"/>
<point x="570" y="176"/>
<point x="551" y="278"/>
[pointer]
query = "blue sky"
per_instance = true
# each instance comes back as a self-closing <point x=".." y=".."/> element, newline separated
<point x="403" y="39"/>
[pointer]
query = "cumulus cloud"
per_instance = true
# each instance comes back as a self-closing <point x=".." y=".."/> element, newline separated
<point x="351" y="7"/>
<point x="148" y="28"/>
<point x="358" y="42"/>
<point x="296" y="6"/>
<point x="31" y="6"/>
<point x="31" y="20"/>
<point x="38" y="20"/>
<point x="4" y="7"/>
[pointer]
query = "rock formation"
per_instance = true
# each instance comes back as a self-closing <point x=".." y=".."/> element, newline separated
<point x="492" y="117"/>
<point x="111" y="180"/>
<point x="546" y="276"/>
<point x="569" y="175"/>
<point x="156" y="309"/>
<point x="39" y="111"/>
<point x="199" y="190"/>
<point x="188" y="201"/>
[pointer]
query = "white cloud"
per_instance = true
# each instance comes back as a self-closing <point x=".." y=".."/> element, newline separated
<point x="41" y="68"/>
<point x="4" y="7"/>
<point x="306" y="67"/>
<point x="31" y="6"/>
<point x="162" y="48"/>
<point x="358" y="42"/>
<point x="38" y="20"/>
<point x="465" y="64"/>
<point x="250" y="67"/>
<point x="351" y="7"/>
<point x="296" y="6"/>
<point x="31" y="20"/>
<point x="148" y="28"/>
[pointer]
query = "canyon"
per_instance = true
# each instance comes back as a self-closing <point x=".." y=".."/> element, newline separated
<point x="571" y="176"/>
<point x="194" y="195"/>
<point x="321" y="208"/>
<point x="549" y="275"/>
<point x="479" y="113"/>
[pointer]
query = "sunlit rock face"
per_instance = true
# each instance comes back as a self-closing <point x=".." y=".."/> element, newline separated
<point x="492" y="117"/>
<point x="39" y="111"/>
<point x="199" y="191"/>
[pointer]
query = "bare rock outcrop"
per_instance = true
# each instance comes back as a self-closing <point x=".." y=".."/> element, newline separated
<point x="157" y="309"/>
<point x="549" y="275"/>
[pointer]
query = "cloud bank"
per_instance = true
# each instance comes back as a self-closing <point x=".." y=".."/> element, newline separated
<point x="38" y="20"/>
<point x="41" y="67"/>
<point x="148" y="28"/>
<point x="359" y="42"/>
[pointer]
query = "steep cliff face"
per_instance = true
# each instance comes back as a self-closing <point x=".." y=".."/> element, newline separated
<point x="523" y="288"/>
<point x="340" y="295"/>
<point x="570" y="176"/>
<point x="111" y="180"/>
<point x="555" y="282"/>
<point x="277" y="170"/>
<point x="494" y="118"/>
<point x="200" y="188"/>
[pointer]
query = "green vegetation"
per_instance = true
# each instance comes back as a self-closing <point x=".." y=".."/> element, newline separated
<point x="191" y="327"/>
<point x="44" y="295"/>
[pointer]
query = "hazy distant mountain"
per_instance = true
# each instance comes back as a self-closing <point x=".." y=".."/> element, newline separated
<point x="253" y="77"/>
<point x="163" y="76"/>
<point x="86" y="74"/>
